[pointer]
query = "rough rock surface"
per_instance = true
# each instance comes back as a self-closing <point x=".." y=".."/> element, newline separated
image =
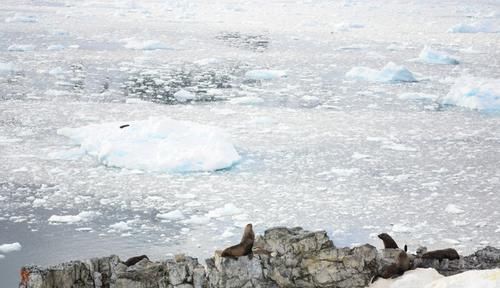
<point x="282" y="257"/>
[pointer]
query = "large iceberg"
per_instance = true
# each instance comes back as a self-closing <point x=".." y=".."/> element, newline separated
<point x="156" y="145"/>
<point x="390" y="73"/>
<point x="475" y="93"/>
<point x="432" y="56"/>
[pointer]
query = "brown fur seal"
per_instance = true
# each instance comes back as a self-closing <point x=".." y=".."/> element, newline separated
<point x="396" y="269"/>
<point x="389" y="243"/>
<point x="449" y="253"/>
<point x="133" y="260"/>
<point x="245" y="246"/>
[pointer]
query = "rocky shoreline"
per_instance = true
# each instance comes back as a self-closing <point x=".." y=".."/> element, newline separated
<point x="282" y="257"/>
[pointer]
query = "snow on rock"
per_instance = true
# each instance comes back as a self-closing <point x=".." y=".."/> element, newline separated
<point x="145" y="45"/>
<point x="12" y="247"/>
<point x="156" y="145"/>
<point x="430" y="278"/>
<point x="172" y="215"/>
<point x="22" y="18"/>
<point x="429" y="55"/>
<point x="390" y="73"/>
<point x="417" y="96"/>
<point x="264" y="74"/>
<point x="71" y="219"/>
<point x="20" y="47"/>
<point x="184" y="95"/>
<point x="475" y="27"/>
<point x="453" y="209"/>
<point x="474" y="93"/>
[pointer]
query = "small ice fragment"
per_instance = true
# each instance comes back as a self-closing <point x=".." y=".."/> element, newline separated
<point x="12" y="247"/>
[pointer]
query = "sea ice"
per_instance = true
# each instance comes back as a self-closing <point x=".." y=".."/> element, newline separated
<point x="145" y="45"/>
<point x="6" y="68"/>
<point x="172" y="215"/>
<point x="264" y="74"/>
<point x="184" y="95"/>
<point x="417" y="96"/>
<point x="474" y="93"/>
<point x="12" y="247"/>
<point x="247" y="100"/>
<point x="55" y="47"/>
<point x="474" y="27"/>
<point x="120" y="226"/>
<point x="70" y="219"/>
<point x="20" y="47"/>
<point x="156" y="145"/>
<point x="22" y="18"/>
<point x="390" y="73"/>
<point x="429" y="55"/>
<point x="453" y="209"/>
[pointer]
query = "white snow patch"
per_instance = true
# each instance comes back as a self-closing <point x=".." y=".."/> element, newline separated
<point x="474" y="93"/>
<point x="264" y="74"/>
<point x="475" y="27"/>
<point x="21" y="47"/>
<point x="145" y="45"/>
<point x="172" y="215"/>
<point x="71" y="219"/>
<point x="417" y="96"/>
<point x="390" y="73"/>
<point x="453" y="209"/>
<point x="8" y="248"/>
<point x="22" y="18"/>
<point x="429" y="55"/>
<point x="156" y="145"/>
<point x="184" y="95"/>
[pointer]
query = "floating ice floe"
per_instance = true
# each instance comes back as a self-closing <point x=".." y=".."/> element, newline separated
<point x="430" y="278"/>
<point x="475" y="27"/>
<point x="343" y="27"/>
<point x="184" y="96"/>
<point x="156" y="145"/>
<point x="417" y="96"/>
<point x="145" y="45"/>
<point x="6" y="68"/>
<point x="8" y="248"/>
<point x="71" y="219"/>
<point x="120" y="226"/>
<point x="247" y="100"/>
<point x="453" y="209"/>
<point x="55" y="47"/>
<point x="264" y="74"/>
<point x="482" y="94"/>
<point x="172" y="215"/>
<point x="432" y="56"/>
<point x="390" y="73"/>
<point x="22" y="18"/>
<point x="309" y="101"/>
<point x="20" y="47"/>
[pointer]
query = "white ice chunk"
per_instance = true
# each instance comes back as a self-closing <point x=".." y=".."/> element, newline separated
<point x="184" y="95"/>
<point x="70" y="219"/>
<point x="264" y="74"/>
<point x="390" y="73"/>
<point x="417" y="96"/>
<point x="474" y="93"/>
<point x="12" y="247"/>
<point x="453" y="209"/>
<point x="145" y="45"/>
<point x="21" y="47"/>
<point x="247" y="100"/>
<point x="228" y="210"/>
<point x="432" y="56"/>
<point x="309" y="101"/>
<point x="6" y="68"/>
<point x="120" y="226"/>
<point x="22" y="18"/>
<point x="157" y="145"/>
<point x="475" y="27"/>
<point x="345" y="171"/>
<point x="55" y="47"/>
<point x="343" y="26"/>
<point x="172" y="215"/>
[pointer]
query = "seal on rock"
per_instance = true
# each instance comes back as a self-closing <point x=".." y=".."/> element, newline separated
<point x="389" y="243"/>
<point x="245" y="246"/>
<point x="133" y="260"/>
<point x="449" y="253"/>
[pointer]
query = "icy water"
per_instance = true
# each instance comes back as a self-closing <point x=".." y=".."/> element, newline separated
<point x="318" y="150"/>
